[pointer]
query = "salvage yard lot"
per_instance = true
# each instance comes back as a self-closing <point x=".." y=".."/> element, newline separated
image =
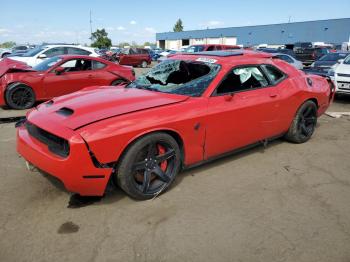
<point x="284" y="203"/>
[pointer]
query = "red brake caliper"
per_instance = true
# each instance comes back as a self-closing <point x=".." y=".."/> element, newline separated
<point x="164" y="164"/>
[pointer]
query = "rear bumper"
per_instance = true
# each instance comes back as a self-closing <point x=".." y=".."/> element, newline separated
<point x="77" y="172"/>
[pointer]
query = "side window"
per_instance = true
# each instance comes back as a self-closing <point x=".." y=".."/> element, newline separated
<point x="76" y="65"/>
<point x="97" y="65"/>
<point x="54" y="51"/>
<point x="286" y="58"/>
<point x="273" y="73"/>
<point x="242" y="79"/>
<point x="211" y="48"/>
<point x="132" y="51"/>
<point x="218" y="47"/>
<point x="77" y="51"/>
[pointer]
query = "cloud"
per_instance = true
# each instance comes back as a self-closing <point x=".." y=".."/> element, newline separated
<point x="110" y="28"/>
<point x="133" y="22"/>
<point x="4" y="31"/>
<point x="212" y="23"/>
<point x="150" y="30"/>
<point x="120" y="28"/>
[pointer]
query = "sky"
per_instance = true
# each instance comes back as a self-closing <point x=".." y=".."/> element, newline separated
<point x="34" y="21"/>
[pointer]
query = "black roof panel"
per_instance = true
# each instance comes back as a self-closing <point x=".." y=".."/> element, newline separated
<point x="226" y="53"/>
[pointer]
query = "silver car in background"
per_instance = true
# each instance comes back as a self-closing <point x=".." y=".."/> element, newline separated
<point x="289" y="59"/>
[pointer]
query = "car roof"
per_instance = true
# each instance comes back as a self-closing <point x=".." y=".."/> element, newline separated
<point x="66" y="57"/>
<point x="224" y="56"/>
<point x="77" y="46"/>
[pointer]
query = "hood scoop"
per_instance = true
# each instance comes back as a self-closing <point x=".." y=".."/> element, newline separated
<point x="65" y="111"/>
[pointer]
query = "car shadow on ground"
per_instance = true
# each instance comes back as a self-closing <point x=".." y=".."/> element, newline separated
<point x="342" y="99"/>
<point x="193" y="171"/>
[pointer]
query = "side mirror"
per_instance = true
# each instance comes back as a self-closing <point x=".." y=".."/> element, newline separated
<point x="42" y="56"/>
<point x="340" y="61"/>
<point x="59" y="70"/>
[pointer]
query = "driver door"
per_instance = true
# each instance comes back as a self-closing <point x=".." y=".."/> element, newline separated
<point x="243" y="110"/>
<point x="77" y="74"/>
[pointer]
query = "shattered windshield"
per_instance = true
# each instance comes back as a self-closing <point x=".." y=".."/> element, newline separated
<point x="189" y="78"/>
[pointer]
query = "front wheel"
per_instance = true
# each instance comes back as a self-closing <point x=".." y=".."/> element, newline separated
<point x="304" y="123"/>
<point x="149" y="166"/>
<point x="144" y="64"/>
<point x="19" y="96"/>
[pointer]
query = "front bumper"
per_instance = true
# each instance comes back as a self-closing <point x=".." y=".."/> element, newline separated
<point x="77" y="171"/>
<point x="342" y="85"/>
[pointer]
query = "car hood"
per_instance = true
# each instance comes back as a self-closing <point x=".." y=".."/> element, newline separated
<point x="93" y="104"/>
<point x="24" y="59"/>
<point x="11" y="66"/>
<point x="325" y="63"/>
<point x="342" y="69"/>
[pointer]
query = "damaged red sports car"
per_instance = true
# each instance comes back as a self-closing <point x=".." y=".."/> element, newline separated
<point x="185" y="111"/>
<point x="21" y="85"/>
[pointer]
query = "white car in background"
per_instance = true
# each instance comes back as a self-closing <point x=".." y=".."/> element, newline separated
<point x="4" y="52"/>
<point x="40" y="53"/>
<point x="290" y="60"/>
<point x="341" y="73"/>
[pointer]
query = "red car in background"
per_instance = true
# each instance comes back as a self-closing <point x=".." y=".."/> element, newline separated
<point x="21" y="85"/>
<point x="134" y="57"/>
<point x="185" y="111"/>
<point x="210" y="47"/>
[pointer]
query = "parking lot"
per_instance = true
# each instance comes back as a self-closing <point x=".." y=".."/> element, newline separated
<point x="285" y="202"/>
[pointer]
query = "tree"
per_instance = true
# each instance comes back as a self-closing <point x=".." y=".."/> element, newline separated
<point x="148" y="44"/>
<point x="100" y="38"/>
<point x="122" y="44"/>
<point x="178" y="27"/>
<point x="7" y="44"/>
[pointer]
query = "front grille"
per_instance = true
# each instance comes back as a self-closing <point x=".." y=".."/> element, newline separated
<point x="344" y="75"/>
<point x="55" y="144"/>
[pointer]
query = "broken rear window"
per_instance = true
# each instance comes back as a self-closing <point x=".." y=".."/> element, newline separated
<point x="189" y="78"/>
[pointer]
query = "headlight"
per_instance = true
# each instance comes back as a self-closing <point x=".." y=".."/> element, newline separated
<point x="331" y="72"/>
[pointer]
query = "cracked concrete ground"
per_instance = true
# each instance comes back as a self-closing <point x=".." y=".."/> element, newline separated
<point x="283" y="203"/>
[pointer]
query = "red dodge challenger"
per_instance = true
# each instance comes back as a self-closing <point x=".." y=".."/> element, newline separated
<point x="187" y="110"/>
<point x="21" y="85"/>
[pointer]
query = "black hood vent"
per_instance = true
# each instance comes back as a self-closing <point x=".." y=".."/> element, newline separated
<point x="64" y="111"/>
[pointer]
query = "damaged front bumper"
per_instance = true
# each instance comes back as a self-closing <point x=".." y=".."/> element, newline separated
<point x="77" y="171"/>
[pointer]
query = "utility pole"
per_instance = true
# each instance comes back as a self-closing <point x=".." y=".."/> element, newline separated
<point x="90" y="28"/>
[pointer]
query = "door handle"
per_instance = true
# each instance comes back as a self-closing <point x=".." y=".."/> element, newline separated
<point x="273" y="95"/>
<point x="90" y="76"/>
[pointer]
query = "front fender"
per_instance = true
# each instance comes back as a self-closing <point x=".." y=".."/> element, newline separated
<point x="109" y="138"/>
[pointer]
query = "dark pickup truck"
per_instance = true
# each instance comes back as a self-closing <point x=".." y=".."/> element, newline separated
<point x="307" y="54"/>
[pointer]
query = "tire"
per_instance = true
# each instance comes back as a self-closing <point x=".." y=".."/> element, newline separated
<point x="149" y="166"/>
<point x="19" y="96"/>
<point x="304" y="123"/>
<point x="5" y="55"/>
<point x="118" y="82"/>
<point x="144" y="64"/>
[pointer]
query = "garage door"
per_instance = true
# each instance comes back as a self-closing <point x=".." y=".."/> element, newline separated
<point x="172" y="44"/>
<point x="214" y="41"/>
<point x="230" y="40"/>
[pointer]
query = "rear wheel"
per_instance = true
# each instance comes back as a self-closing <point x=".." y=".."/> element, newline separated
<point x="149" y="166"/>
<point x="19" y="96"/>
<point x="304" y="123"/>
